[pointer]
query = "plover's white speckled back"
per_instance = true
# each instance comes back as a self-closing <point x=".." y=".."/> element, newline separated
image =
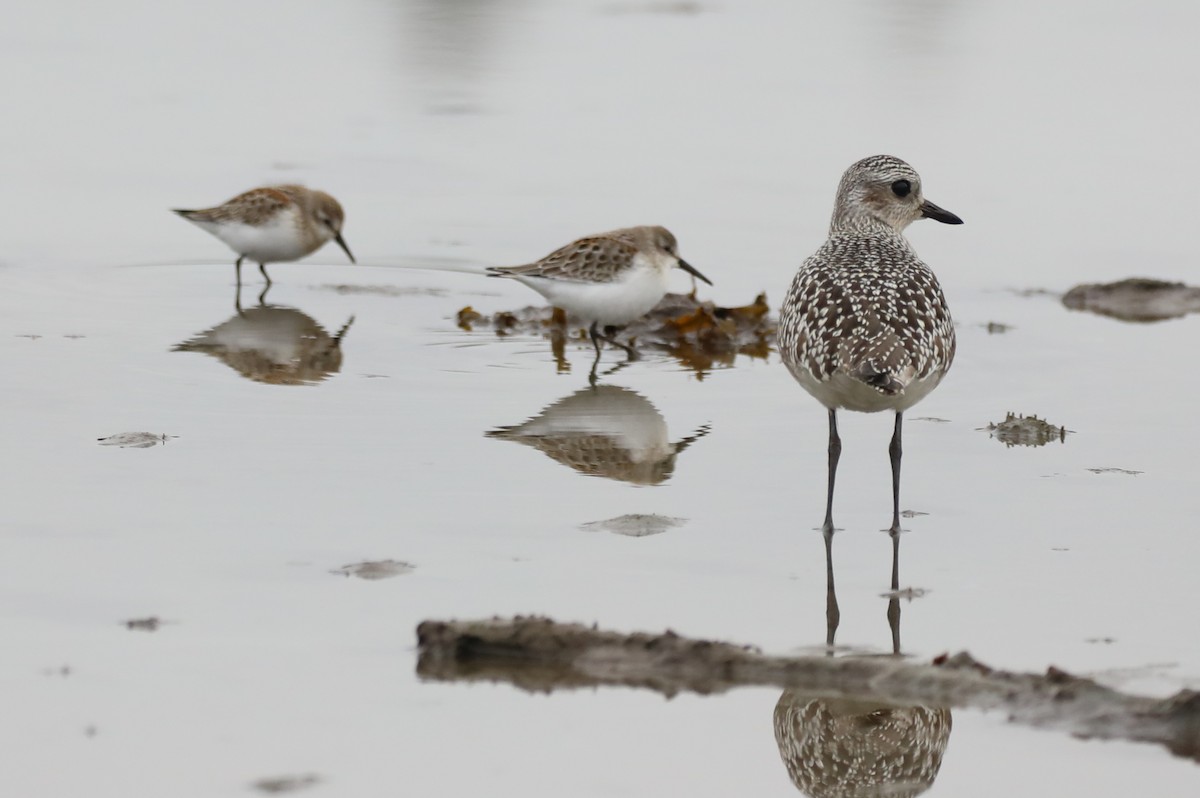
<point x="865" y="326"/>
<point x="606" y="279"/>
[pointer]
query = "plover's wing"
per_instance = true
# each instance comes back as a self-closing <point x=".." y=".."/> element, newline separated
<point x="878" y="354"/>
<point x="252" y="207"/>
<point x="589" y="260"/>
<point x="885" y="328"/>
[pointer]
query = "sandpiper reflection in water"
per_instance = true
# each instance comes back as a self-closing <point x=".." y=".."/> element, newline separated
<point x="272" y="344"/>
<point x="604" y="431"/>
<point x="843" y="747"/>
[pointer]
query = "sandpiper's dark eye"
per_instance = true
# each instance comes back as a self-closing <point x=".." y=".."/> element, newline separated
<point x="901" y="188"/>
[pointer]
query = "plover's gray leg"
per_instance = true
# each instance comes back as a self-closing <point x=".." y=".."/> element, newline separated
<point x="893" y="610"/>
<point x="237" y="269"/>
<point x="894" y="450"/>
<point x="262" y="267"/>
<point x="832" y="614"/>
<point x="835" y="451"/>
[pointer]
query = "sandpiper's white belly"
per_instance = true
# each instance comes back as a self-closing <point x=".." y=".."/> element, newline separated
<point x="632" y="295"/>
<point x="279" y="239"/>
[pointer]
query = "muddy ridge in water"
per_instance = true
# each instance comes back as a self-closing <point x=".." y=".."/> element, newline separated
<point x="1139" y="299"/>
<point x="540" y="655"/>
<point x="700" y="334"/>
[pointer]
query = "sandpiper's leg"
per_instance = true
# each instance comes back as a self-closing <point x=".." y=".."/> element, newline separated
<point x="262" y="267"/>
<point x="835" y="451"/>
<point x="237" y="268"/>
<point x="630" y="352"/>
<point x="895" y="451"/>
<point x="594" y="332"/>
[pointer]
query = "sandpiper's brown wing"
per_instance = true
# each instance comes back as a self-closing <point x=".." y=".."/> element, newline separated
<point x="252" y="207"/>
<point x="597" y="259"/>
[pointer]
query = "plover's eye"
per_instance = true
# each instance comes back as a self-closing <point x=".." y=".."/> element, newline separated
<point x="901" y="188"/>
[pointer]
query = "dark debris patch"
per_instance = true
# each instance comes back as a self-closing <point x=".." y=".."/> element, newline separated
<point x="1019" y="430"/>
<point x="385" y="290"/>
<point x="700" y="334"/>
<point x="375" y="569"/>
<point x="1030" y="293"/>
<point x="149" y="624"/>
<point x="135" y="440"/>
<point x="908" y="593"/>
<point x="635" y="525"/>
<point x="1138" y="299"/>
<point x="281" y="784"/>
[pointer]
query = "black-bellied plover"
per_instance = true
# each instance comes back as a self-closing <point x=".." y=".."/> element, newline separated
<point x="274" y="224"/>
<point x="865" y="326"/>
<point x="606" y="279"/>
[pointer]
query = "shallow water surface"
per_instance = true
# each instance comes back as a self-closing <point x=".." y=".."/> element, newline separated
<point x="344" y="425"/>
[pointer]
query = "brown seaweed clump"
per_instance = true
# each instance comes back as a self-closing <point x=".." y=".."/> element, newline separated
<point x="699" y="334"/>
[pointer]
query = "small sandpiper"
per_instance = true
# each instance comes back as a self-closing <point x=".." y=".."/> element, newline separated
<point x="865" y="326"/>
<point x="274" y="224"/>
<point x="606" y="279"/>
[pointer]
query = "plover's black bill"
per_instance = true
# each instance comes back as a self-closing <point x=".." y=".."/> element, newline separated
<point x="687" y="267"/>
<point x="931" y="211"/>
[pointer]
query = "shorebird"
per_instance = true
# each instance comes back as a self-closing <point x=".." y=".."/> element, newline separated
<point x="273" y="224"/>
<point x="606" y="279"/>
<point x="865" y="326"/>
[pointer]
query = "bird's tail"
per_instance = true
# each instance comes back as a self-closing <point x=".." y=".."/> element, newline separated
<point x="880" y="360"/>
<point x="193" y="216"/>
<point x="880" y="378"/>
